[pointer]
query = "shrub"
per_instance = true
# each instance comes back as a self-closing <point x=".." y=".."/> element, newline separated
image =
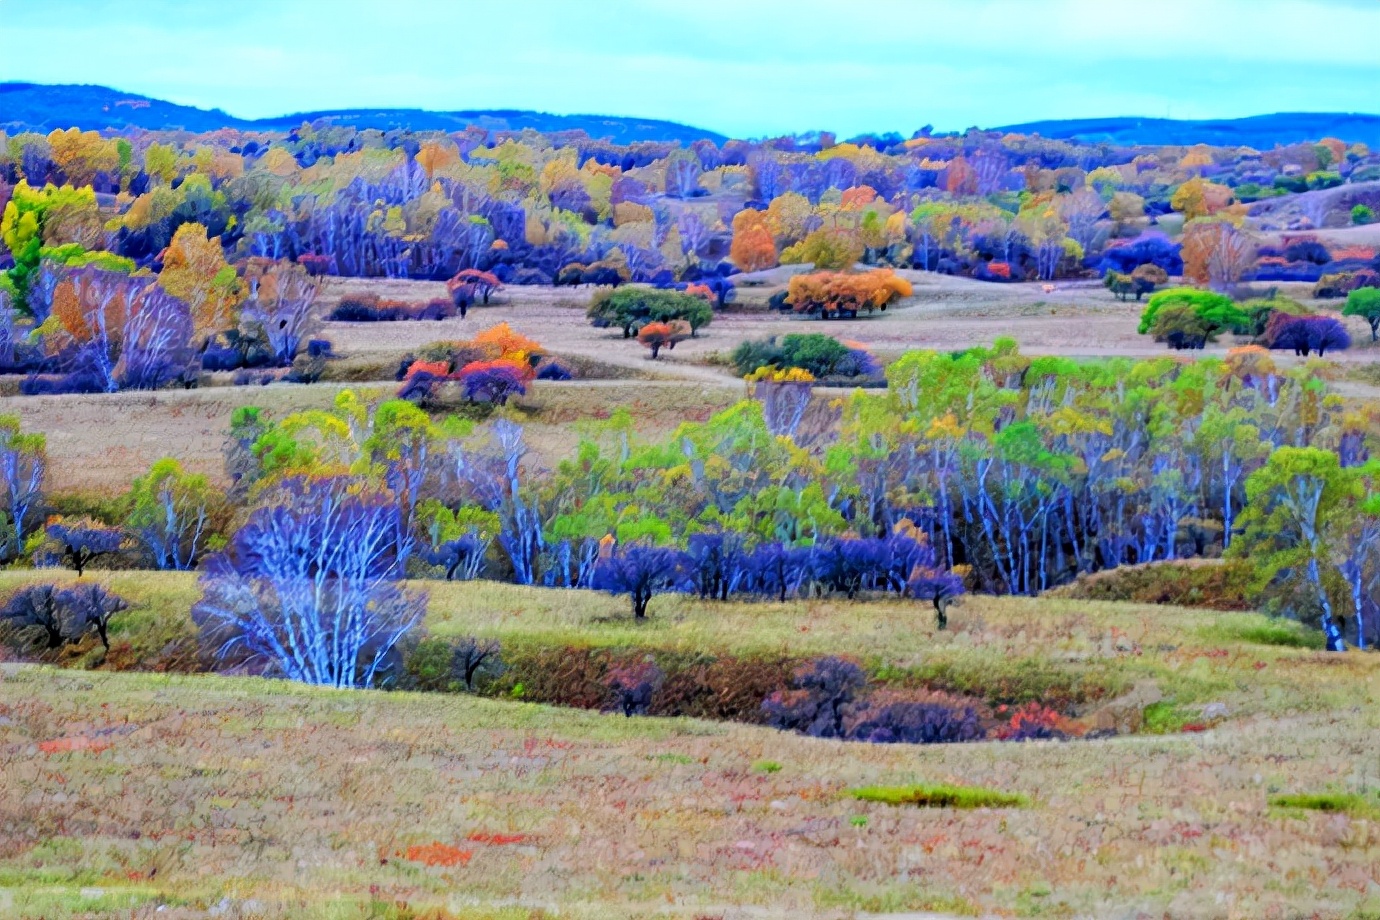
<point x="657" y="336"/>
<point x="940" y="796"/>
<point x="1219" y="586"/>
<point x="815" y="705"/>
<point x="492" y="383"/>
<point x="631" y="686"/>
<point x="822" y="356"/>
<point x="1361" y="214"/>
<point x="907" y="722"/>
<point x="1349" y="803"/>
<point x="1340" y="284"/>
<point x="1303" y="334"/>
<point x="1216" y="310"/>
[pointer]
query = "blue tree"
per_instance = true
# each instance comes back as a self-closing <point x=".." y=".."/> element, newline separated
<point x="309" y="586"/>
<point x="641" y="571"/>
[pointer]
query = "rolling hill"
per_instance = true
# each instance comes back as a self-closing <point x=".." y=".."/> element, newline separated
<point x="42" y="107"/>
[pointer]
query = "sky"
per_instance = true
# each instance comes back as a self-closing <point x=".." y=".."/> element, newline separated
<point x="746" y="68"/>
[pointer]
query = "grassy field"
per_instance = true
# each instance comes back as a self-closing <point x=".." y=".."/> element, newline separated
<point x="126" y="793"/>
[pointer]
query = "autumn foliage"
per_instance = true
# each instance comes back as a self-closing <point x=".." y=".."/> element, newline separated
<point x="844" y="294"/>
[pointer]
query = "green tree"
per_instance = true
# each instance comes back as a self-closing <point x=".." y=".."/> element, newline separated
<point x="1289" y="502"/>
<point x="175" y="516"/>
<point x="1365" y="303"/>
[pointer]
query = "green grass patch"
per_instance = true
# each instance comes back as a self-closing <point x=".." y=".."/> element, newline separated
<point x="1347" y="803"/>
<point x="1257" y="631"/>
<point x="1166" y="718"/>
<point x="766" y="766"/>
<point x="940" y="796"/>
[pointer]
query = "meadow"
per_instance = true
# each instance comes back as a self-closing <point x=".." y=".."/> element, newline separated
<point x="132" y="793"/>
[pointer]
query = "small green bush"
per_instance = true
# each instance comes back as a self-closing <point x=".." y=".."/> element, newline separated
<point x="1348" y="803"/>
<point x="940" y="796"/>
<point x="1361" y="214"/>
<point x="766" y="766"/>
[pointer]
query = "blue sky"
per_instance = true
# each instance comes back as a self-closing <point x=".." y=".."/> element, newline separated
<point x="742" y="67"/>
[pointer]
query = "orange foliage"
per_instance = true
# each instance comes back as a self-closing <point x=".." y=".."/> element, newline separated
<point x="73" y="743"/>
<point x="831" y="293"/>
<point x="700" y="290"/>
<point x="439" y="854"/>
<point x="753" y="248"/>
<point x="497" y="840"/>
<point x="436" y="368"/>
<point x="507" y="345"/>
<point x="857" y="197"/>
<point x="962" y="178"/>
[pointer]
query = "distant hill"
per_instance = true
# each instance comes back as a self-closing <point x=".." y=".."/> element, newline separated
<point x="43" y="107"/>
<point x="1259" y="131"/>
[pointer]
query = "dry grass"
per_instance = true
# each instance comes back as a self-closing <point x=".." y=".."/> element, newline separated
<point x="241" y="797"/>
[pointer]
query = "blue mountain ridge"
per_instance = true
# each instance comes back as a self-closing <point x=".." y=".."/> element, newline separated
<point x="43" y="107"/>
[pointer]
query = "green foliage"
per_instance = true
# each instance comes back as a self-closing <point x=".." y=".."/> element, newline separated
<point x="1362" y="214"/>
<point x="1259" y="309"/>
<point x="1205" y="303"/>
<point x="1166" y="718"/>
<point x="814" y="352"/>
<point x="766" y="766"/>
<point x="940" y="796"/>
<point x="1347" y="803"/>
<point x="631" y="308"/>
<point x="1365" y="303"/>
<point x="22" y="229"/>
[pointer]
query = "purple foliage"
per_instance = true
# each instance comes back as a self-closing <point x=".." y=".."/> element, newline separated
<point x="642" y="571"/>
<point x="815" y="705"/>
<point x="81" y="542"/>
<point x="554" y="370"/>
<point x="493" y="384"/>
<point x="907" y="722"/>
<point x="1151" y="247"/>
<point x="1303" y="334"/>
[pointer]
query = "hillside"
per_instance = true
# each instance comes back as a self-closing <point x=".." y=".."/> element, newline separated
<point x="42" y="107"/>
<point x="1261" y="131"/>
<point x="38" y="107"/>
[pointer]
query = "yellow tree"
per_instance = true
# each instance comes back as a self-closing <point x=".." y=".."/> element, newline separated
<point x="195" y="270"/>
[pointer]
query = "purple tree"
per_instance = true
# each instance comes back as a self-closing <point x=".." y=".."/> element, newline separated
<point x="641" y="571"/>
<point x="309" y="587"/>
<point x="84" y="540"/>
<point x="494" y="384"/>
<point x="632" y="685"/>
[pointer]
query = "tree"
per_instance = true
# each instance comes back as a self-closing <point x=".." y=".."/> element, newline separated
<point x="195" y="272"/>
<point x="35" y="611"/>
<point x="23" y="466"/>
<point x="1217" y="310"/>
<point x="309" y="587"/>
<point x="1362" y="214"/>
<point x="629" y="309"/>
<point x="1303" y="334"/>
<point x="834" y="294"/>
<point x="1365" y="303"/>
<point x="657" y="336"/>
<point x="1200" y="198"/>
<point x="82" y="540"/>
<point x="281" y="296"/>
<point x="828" y="250"/>
<point x="753" y="247"/>
<point x="173" y="515"/>
<point x="1217" y="254"/>
<point x="642" y="571"/>
<point x="815" y="706"/>
<point x="1289" y="501"/>
<point x="90" y="607"/>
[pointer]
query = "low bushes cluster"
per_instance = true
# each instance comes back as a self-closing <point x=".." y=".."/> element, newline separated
<point x="824" y="357"/>
<point x="369" y="308"/>
<point x="45" y="618"/>
<point x="1216" y="586"/>
<point x="824" y="697"/>
<point x="940" y="796"/>
<point x="490" y="369"/>
<point x="843" y="295"/>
